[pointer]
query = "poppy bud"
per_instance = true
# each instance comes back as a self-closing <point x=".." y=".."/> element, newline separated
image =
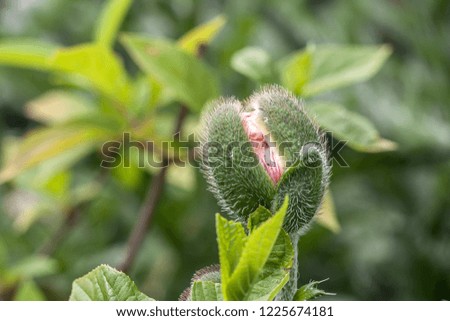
<point x="257" y="152"/>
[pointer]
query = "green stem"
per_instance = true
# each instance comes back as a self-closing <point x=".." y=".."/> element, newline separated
<point x="289" y="290"/>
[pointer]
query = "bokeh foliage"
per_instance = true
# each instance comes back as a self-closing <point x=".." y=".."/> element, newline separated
<point x="393" y="207"/>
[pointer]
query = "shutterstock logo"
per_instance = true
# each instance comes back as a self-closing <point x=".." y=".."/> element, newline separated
<point x="129" y="152"/>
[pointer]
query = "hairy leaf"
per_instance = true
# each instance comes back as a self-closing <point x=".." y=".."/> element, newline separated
<point x="262" y="269"/>
<point x="106" y="284"/>
<point x="206" y="291"/>
<point x="310" y="291"/>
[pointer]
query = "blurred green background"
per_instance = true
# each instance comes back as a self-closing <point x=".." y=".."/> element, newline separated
<point x="393" y="207"/>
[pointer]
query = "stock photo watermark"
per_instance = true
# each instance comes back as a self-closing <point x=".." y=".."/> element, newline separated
<point x="189" y="152"/>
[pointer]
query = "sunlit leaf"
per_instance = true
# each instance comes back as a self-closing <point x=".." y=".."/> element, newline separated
<point x="201" y="35"/>
<point x="25" y="207"/>
<point x="253" y="62"/>
<point x="110" y="20"/>
<point x="106" y="284"/>
<point x="183" y="177"/>
<point x="357" y="130"/>
<point x="296" y="71"/>
<point x="191" y="81"/>
<point x="325" y="67"/>
<point x="57" y="106"/>
<point x="46" y="143"/>
<point x="327" y="214"/>
<point x="96" y="67"/>
<point x="26" y="53"/>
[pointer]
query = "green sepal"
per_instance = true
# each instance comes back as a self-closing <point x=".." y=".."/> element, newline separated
<point x="229" y="164"/>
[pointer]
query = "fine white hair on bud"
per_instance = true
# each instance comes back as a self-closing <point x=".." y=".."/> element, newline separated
<point x="257" y="152"/>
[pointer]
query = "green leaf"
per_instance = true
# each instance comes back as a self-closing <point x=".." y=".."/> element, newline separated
<point x="357" y="130"/>
<point x="147" y="94"/>
<point x="110" y="20"/>
<point x="275" y="273"/>
<point x="106" y="284"/>
<point x="26" y="53"/>
<point x="201" y="35"/>
<point x="29" y="291"/>
<point x="34" y="266"/>
<point x="263" y="267"/>
<point x="57" y="106"/>
<point x="231" y="239"/>
<point x="206" y="291"/>
<point x="296" y="71"/>
<point x="95" y="67"/>
<point x="310" y="291"/>
<point x="46" y="143"/>
<point x="259" y="216"/>
<point x="331" y="67"/>
<point x="191" y="81"/>
<point x="327" y="214"/>
<point x="253" y="62"/>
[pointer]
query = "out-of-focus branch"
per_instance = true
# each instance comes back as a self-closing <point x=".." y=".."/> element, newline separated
<point x="147" y="210"/>
<point x="49" y="247"/>
<point x="154" y="193"/>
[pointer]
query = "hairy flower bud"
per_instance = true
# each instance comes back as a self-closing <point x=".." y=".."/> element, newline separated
<point x="258" y="152"/>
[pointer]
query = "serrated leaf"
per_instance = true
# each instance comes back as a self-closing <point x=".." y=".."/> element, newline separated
<point x="191" y="81"/>
<point x="110" y="20"/>
<point x="327" y="214"/>
<point x="201" y="35"/>
<point x="231" y="240"/>
<point x="259" y="216"/>
<point x="331" y="67"/>
<point x="206" y="291"/>
<point x="57" y="106"/>
<point x="96" y="67"/>
<point x="357" y="130"/>
<point x="254" y="63"/>
<point x="262" y="270"/>
<point x="26" y="53"/>
<point x="106" y="284"/>
<point x="46" y="143"/>
<point x="275" y="274"/>
<point x="310" y="291"/>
